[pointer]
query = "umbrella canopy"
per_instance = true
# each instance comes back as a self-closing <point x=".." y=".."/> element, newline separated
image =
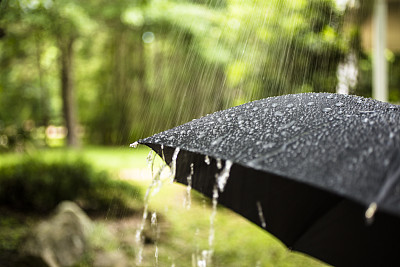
<point x="319" y="171"/>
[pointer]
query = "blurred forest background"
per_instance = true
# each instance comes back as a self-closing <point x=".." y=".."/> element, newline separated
<point x="100" y="75"/>
<point x="111" y="72"/>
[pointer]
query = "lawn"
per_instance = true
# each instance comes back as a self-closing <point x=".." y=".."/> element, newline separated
<point x="184" y="233"/>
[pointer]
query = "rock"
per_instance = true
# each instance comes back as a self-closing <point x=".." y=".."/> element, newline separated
<point x="61" y="240"/>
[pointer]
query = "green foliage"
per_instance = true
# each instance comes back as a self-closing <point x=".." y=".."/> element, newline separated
<point x="36" y="185"/>
<point x="202" y="56"/>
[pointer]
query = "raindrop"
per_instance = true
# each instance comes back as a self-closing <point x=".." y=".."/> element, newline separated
<point x="370" y="212"/>
<point x="211" y="234"/>
<point x="134" y="145"/>
<point x="268" y="145"/>
<point x="148" y="37"/>
<point x="173" y="161"/>
<point x="155" y="228"/>
<point x="326" y="109"/>
<point x="217" y="141"/>
<point x="207" y="160"/>
<point x="279" y="113"/>
<point x="366" y="111"/>
<point x="188" y="202"/>
<point x="288" y="125"/>
<point x="219" y="163"/>
<point x="154" y="219"/>
<point x="339" y="104"/>
<point x="260" y="214"/>
<point x="274" y="105"/>
<point x="222" y="178"/>
<point x="152" y="189"/>
<point x="149" y="157"/>
<point x="289" y="105"/>
<point x="310" y="103"/>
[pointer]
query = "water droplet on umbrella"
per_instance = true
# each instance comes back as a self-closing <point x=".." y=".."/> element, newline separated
<point x="326" y="109"/>
<point x="217" y="141"/>
<point x="279" y="113"/>
<point x="134" y="145"/>
<point x="289" y="105"/>
<point x="274" y="105"/>
<point x="339" y="104"/>
<point x="287" y="125"/>
<point x="310" y="103"/>
<point x="366" y="111"/>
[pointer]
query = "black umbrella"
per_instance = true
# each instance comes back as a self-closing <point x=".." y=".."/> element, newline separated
<point x="319" y="171"/>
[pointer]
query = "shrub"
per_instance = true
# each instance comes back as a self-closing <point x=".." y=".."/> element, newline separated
<point x="37" y="185"/>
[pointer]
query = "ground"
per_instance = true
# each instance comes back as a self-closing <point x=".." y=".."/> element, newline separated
<point x="183" y="232"/>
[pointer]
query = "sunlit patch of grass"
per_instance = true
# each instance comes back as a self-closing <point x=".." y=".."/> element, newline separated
<point x="237" y="241"/>
<point x="105" y="158"/>
<point x="184" y="232"/>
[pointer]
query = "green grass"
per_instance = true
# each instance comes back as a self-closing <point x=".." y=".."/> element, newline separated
<point x="184" y="233"/>
<point x="103" y="158"/>
<point x="237" y="242"/>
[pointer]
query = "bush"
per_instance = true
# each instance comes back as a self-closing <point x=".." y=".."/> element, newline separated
<point x="37" y="185"/>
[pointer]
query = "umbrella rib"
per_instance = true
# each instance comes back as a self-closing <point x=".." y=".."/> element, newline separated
<point x="393" y="177"/>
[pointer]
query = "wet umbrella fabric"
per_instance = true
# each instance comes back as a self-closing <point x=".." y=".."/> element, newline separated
<point x="311" y="164"/>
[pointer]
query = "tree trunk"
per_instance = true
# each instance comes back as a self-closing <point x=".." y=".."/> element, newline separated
<point x="67" y="90"/>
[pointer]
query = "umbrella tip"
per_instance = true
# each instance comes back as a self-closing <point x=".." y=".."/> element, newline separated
<point x="370" y="212"/>
<point x="134" y="144"/>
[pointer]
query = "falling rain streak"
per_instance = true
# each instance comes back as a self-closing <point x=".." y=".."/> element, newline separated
<point x="188" y="200"/>
<point x="261" y="214"/>
<point x="157" y="182"/>
<point x="223" y="176"/>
